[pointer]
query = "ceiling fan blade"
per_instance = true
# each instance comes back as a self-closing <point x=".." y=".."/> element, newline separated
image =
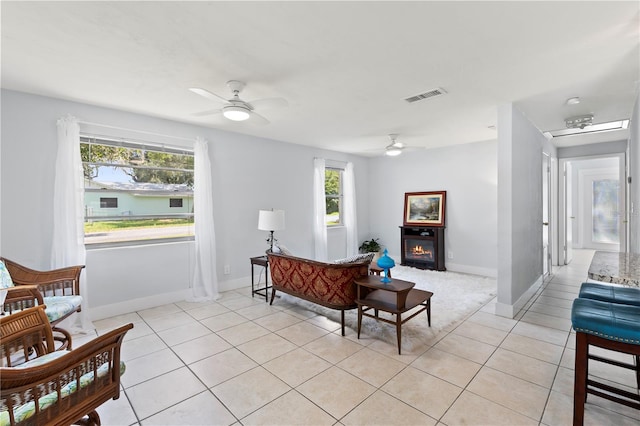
<point x="209" y="112"/>
<point x="207" y="94"/>
<point x="267" y="103"/>
<point x="258" y="119"/>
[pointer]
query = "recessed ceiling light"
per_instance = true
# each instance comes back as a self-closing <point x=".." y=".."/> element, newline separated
<point x="573" y="101"/>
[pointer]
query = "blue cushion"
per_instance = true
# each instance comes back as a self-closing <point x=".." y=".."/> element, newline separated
<point x="611" y="293"/>
<point x="611" y="321"/>
<point x="5" y="278"/>
<point x="59" y="306"/>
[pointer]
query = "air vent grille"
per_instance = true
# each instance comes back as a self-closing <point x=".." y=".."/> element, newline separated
<point x="429" y="94"/>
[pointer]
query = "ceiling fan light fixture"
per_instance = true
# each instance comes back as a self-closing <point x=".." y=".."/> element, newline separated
<point x="393" y="151"/>
<point x="235" y="113"/>
<point x="592" y="128"/>
<point x="579" y="122"/>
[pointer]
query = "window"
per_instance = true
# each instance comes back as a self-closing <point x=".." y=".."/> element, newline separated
<point x="108" y="203"/>
<point x="333" y="195"/>
<point x="605" y="215"/>
<point x="136" y="192"/>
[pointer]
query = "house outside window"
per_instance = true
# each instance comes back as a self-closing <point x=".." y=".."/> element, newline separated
<point x="136" y="193"/>
<point x="334" y="196"/>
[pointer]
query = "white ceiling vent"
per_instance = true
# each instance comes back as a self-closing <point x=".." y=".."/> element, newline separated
<point x="430" y="94"/>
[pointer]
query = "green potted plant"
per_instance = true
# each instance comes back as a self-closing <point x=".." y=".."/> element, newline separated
<point x="370" y="246"/>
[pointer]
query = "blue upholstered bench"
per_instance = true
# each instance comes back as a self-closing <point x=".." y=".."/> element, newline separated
<point x="612" y="326"/>
<point x="614" y="294"/>
<point x="610" y="293"/>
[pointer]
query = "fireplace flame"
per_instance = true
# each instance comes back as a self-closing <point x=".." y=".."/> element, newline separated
<point x="420" y="251"/>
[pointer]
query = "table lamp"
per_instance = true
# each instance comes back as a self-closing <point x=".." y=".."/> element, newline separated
<point x="271" y="220"/>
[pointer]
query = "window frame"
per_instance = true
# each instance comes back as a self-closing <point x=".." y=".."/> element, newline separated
<point x="141" y="147"/>
<point x="339" y="196"/>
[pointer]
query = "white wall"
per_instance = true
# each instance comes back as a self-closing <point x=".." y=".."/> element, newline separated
<point x="634" y="173"/>
<point x="519" y="209"/>
<point x="469" y="175"/>
<point x="249" y="174"/>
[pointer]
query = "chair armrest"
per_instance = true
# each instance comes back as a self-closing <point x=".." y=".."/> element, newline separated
<point x="23" y="293"/>
<point x="69" y="386"/>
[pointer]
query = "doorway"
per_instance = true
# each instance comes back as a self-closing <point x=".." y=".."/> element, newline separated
<point x="592" y="204"/>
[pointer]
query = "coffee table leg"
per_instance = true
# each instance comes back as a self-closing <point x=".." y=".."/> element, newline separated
<point x="359" y="319"/>
<point x="429" y="311"/>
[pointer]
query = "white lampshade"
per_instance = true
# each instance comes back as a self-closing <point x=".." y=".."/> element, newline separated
<point x="235" y="112"/>
<point x="271" y="220"/>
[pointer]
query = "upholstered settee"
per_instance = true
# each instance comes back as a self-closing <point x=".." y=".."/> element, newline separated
<point x="327" y="284"/>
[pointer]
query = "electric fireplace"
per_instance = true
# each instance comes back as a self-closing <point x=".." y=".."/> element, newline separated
<point x="423" y="247"/>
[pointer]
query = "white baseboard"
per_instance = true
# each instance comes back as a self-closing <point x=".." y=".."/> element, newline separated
<point x="475" y="270"/>
<point x="133" y="305"/>
<point x="510" y="311"/>
<point x="465" y="269"/>
<point x="237" y="283"/>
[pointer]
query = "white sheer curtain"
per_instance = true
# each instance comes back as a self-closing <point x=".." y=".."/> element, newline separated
<point x="205" y="277"/>
<point x="68" y="215"/>
<point x="350" y="221"/>
<point x="319" y="210"/>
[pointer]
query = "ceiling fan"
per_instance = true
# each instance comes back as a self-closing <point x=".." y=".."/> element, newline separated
<point x="236" y="109"/>
<point x="394" y="148"/>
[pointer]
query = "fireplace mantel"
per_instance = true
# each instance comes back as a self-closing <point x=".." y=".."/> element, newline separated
<point x="422" y="247"/>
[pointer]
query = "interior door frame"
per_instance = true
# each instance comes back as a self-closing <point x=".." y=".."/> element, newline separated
<point x="562" y="201"/>
<point x="546" y="214"/>
<point x="564" y="204"/>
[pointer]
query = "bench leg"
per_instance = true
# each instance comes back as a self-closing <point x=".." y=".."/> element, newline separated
<point x="580" y="382"/>
<point x="637" y="359"/>
<point x="342" y="318"/>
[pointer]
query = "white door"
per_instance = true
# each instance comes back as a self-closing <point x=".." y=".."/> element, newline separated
<point x="600" y="218"/>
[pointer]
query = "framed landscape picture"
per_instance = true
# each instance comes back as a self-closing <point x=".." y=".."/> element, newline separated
<point x="424" y="208"/>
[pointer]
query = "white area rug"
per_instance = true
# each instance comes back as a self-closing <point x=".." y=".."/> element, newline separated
<point x="455" y="296"/>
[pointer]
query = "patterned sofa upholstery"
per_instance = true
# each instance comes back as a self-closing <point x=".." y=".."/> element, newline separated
<point x="327" y="284"/>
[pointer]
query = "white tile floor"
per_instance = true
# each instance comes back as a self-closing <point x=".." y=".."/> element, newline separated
<point x="240" y="361"/>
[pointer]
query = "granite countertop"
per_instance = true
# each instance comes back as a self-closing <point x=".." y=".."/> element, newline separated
<point x="618" y="268"/>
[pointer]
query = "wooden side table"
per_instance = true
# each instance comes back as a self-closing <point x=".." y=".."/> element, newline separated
<point x="264" y="262"/>
<point x="396" y="298"/>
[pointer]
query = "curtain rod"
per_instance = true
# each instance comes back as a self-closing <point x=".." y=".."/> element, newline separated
<point x="107" y="126"/>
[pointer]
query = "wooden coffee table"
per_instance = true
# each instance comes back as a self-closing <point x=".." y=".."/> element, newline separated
<point x="396" y="297"/>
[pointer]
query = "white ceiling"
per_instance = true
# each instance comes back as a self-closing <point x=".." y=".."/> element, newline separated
<point x="344" y="67"/>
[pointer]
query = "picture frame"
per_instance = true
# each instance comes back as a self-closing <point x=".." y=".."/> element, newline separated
<point x="424" y="208"/>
